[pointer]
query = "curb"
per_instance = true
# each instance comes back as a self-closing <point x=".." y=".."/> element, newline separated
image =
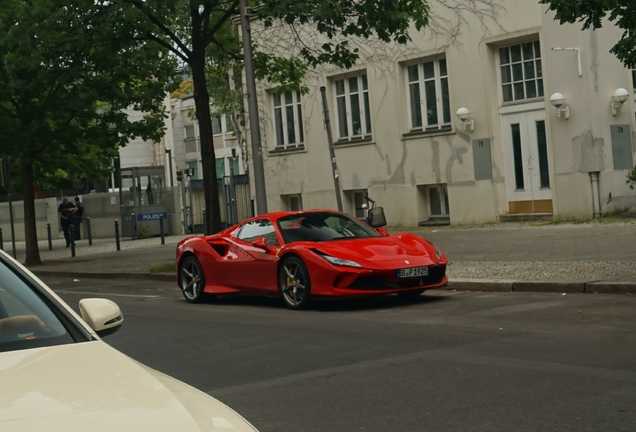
<point x="166" y="277"/>
<point x="485" y="285"/>
<point x="573" y="287"/>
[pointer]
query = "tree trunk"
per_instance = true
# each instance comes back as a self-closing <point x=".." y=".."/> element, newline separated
<point x="208" y="159"/>
<point x="30" y="228"/>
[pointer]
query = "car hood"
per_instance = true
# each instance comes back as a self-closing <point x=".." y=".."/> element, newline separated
<point x="91" y="386"/>
<point x="380" y="249"/>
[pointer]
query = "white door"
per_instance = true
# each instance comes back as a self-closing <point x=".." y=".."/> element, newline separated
<point x="527" y="162"/>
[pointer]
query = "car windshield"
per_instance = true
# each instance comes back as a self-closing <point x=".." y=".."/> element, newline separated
<point x="323" y="226"/>
<point x="26" y="319"/>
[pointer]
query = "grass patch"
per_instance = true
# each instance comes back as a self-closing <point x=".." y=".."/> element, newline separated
<point x="164" y="268"/>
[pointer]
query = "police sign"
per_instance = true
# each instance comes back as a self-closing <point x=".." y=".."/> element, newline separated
<point x="151" y="216"/>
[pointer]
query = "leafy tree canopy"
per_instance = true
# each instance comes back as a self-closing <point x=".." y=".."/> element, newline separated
<point x="592" y="14"/>
<point x="68" y="75"/>
<point x="66" y="84"/>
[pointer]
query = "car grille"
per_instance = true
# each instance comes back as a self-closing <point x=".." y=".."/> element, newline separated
<point x="381" y="282"/>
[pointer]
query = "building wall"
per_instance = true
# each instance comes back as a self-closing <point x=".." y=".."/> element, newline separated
<point x="397" y="167"/>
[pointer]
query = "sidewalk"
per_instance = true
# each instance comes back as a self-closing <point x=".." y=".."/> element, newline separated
<point x="597" y="256"/>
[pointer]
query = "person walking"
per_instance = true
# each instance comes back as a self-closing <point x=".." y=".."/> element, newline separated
<point x="78" y="216"/>
<point x="65" y="211"/>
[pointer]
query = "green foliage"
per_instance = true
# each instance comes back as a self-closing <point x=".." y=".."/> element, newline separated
<point x="144" y="231"/>
<point x="337" y="20"/>
<point x="631" y="178"/>
<point x="592" y="12"/>
<point x="67" y="81"/>
<point x="169" y="267"/>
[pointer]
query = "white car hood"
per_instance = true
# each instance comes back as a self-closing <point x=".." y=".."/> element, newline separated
<point x="91" y="386"/>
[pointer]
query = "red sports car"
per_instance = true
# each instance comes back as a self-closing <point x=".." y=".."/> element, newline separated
<point x="299" y="255"/>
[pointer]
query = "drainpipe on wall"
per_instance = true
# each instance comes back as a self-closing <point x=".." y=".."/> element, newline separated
<point x="596" y="194"/>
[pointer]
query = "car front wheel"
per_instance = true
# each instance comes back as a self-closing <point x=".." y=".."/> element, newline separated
<point x="293" y="283"/>
<point x="192" y="280"/>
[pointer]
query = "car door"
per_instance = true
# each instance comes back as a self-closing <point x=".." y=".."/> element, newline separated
<point x="254" y="268"/>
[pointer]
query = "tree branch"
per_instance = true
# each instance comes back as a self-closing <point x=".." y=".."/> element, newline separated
<point x="209" y="33"/>
<point x="142" y="8"/>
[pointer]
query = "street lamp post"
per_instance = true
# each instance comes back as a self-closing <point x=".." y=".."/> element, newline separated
<point x="255" y="134"/>
<point x="169" y="153"/>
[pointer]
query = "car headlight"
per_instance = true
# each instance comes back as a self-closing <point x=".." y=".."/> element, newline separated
<point x="438" y="253"/>
<point x="341" y="262"/>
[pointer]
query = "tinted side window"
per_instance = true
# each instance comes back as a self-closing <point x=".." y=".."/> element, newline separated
<point x="258" y="228"/>
<point x="26" y="321"/>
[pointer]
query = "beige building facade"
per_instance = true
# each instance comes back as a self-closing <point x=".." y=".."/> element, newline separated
<point x="461" y="129"/>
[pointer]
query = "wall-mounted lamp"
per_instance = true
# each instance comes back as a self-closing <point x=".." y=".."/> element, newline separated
<point x="620" y="96"/>
<point x="463" y="114"/>
<point x="557" y="100"/>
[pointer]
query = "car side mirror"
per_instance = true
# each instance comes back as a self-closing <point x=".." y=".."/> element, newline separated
<point x="383" y="232"/>
<point x="261" y="243"/>
<point x="377" y="217"/>
<point x="102" y="315"/>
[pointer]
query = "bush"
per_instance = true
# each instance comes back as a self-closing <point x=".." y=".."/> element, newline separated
<point x="631" y="178"/>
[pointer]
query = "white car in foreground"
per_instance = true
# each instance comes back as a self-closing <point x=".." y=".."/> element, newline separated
<point x="56" y="374"/>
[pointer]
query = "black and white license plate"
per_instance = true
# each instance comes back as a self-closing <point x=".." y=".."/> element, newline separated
<point x="412" y="272"/>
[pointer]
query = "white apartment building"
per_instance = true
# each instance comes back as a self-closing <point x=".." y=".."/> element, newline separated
<point x="181" y="145"/>
<point x="461" y="128"/>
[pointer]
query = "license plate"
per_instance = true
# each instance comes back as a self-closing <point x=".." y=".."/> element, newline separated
<point x="412" y="272"/>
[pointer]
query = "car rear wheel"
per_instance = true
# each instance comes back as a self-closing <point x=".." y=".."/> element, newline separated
<point x="293" y="283"/>
<point x="410" y="294"/>
<point x="192" y="280"/>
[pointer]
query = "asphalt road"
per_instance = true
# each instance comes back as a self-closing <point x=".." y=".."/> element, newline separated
<point x="448" y="361"/>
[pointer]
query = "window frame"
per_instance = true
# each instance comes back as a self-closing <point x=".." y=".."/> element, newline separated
<point x="364" y="100"/>
<point x="438" y="78"/>
<point x="538" y="74"/>
<point x="281" y="137"/>
<point x="442" y="191"/>
<point x="185" y="132"/>
<point x="224" y="124"/>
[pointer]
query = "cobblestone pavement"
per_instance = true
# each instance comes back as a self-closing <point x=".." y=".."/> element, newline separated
<point x="603" y="249"/>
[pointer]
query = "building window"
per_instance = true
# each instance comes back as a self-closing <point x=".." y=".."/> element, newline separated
<point x="288" y="117"/>
<point x="222" y="124"/>
<point x="517" y="156"/>
<point x="352" y="105"/>
<point x="438" y="200"/>
<point x="229" y="126"/>
<point x="220" y="168"/>
<point x="542" y="144"/>
<point x="189" y="131"/>
<point x="293" y="202"/>
<point x="428" y="94"/>
<point x="359" y="199"/>
<point x="521" y="71"/>
<point x="234" y="165"/>
<point x="216" y="125"/>
<point x="193" y="167"/>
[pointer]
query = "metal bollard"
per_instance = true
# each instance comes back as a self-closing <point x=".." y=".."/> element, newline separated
<point x="163" y="237"/>
<point x="134" y="227"/>
<point x="88" y="229"/>
<point x="71" y="231"/>
<point x="48" y="233"/>
<point x="1" y="241"/>
<point x="117" y="234"/>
